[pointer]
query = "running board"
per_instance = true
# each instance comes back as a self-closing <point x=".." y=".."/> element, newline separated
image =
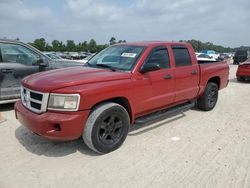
<point x="162" y="114"/>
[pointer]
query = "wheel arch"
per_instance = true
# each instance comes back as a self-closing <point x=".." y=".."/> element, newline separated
<point x="123" y="101"/>
<point x="215" y="80"/>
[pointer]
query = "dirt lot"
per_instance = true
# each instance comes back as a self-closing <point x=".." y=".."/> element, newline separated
<point x="193" y="149"/>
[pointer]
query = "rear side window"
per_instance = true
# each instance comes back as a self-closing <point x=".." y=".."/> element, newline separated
<point x="14" y="53"/>
<point x="181" y="56"/>
<point x="159" y="56"/>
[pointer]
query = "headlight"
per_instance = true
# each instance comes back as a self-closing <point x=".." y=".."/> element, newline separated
<point x="64" y="102"/>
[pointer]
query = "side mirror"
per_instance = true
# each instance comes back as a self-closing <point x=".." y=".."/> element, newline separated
<point x="43" y="63"/>
<point x="150" y="67"/>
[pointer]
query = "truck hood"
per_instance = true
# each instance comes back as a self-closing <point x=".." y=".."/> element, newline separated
<point x="60" y="78"/>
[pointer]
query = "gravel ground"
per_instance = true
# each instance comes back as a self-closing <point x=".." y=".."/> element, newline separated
<point x="193" y="149"/>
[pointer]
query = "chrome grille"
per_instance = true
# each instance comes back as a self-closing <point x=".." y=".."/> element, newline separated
<point x="34" y="100"/>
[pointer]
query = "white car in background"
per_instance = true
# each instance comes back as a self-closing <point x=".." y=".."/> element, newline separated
<point x="197" y="53"/>
<point x="205" y="57"/>
<point x="58" y="58"/>
<point x="86" y="59"/>
<point x="211" y="53"/>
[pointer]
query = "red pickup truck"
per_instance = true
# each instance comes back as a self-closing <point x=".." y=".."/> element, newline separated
<point x="123" y="85"/>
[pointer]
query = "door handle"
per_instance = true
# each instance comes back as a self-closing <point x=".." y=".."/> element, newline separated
<point x="194" y="72"/>
<point x="7" y="70"/>
<point x="168" y="77"/>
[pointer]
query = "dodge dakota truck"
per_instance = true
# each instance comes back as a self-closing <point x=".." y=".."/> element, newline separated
<point x="123" y="85"/>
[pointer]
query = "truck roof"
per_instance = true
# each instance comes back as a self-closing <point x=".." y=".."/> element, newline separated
<point x="152" y="43"/>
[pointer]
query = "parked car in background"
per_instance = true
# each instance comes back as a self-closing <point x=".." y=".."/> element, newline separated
<point x="18" y="60"/>
<point x="86" y="59"/>
<point x="240" y="56"/>
<point x="74" y="55"/>
<point x="129" y="83"/>
<point x="243" y="71"/>
<point x="83" y="55"/>
<point x="211" y="53"/>
<point x="197" y="53"/>
<point x="57" y="58"/>
<point x="223" y="56"/>
<point x="229" y="55"/>
<point x="53" y="56"/>
<point x="205" y="57"/>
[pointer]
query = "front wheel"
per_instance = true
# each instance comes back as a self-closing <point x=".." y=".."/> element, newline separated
<point x="209" y="98"/>
<point x="106" y="128"/>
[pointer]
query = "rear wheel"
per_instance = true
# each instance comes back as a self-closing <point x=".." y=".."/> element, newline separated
<point x="106" y="128"/>
<point x="209" y="98"/>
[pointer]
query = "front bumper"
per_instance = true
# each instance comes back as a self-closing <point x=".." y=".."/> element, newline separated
<point x="53" y="125"/>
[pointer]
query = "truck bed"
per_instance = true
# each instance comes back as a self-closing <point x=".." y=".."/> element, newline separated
<point x="218" y="70"/>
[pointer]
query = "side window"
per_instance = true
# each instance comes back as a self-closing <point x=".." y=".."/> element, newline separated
<point x="159" y="56"/>
<point x="182" y="57"/>
<point x="14" y="53"/>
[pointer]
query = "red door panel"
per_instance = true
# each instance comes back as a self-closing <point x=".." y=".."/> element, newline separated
<point x="186" y="82"/>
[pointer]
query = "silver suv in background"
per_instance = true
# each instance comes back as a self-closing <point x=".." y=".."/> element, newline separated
<point x="18" y="60"/>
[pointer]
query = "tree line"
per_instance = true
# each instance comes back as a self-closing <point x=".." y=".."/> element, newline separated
<point x="92" y="46"/>
<point x="199" y="46"/>
<point x="71" y="46"/>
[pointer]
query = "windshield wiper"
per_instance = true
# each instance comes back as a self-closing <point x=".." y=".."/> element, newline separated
<point x="106" y="66"/>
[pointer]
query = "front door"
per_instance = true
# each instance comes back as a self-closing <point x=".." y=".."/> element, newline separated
<point x="16" y="62"/>
<point x="155" y="89"/>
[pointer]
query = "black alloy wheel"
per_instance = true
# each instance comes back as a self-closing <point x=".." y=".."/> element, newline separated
<point x="110" y="130"/>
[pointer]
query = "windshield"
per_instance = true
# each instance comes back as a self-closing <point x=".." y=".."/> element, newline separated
<point x="120" y="57"/>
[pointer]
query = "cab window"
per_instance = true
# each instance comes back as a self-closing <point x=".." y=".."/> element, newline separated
<point x="181" y="56"/>
<point x="159" y="56"/>
<point x="14" y="53"/>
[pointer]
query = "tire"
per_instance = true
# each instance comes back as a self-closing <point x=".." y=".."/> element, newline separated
<point x="209" y="98"/>
<point x="106" y="128"/>
<point x="240" y="79"/>
<point x="236" y="63"/>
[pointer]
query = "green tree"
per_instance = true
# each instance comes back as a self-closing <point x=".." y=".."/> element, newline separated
<point x="82" y="46"/>
<point x="70" y="45"/>
<point x="40" y="44"/>
<point x="92" y="46"/>
<point x="56" y="45"/>
<point x="199" y="46"/>
<point x="112" y="41"/>
<point x="101" y="47"/>
<point x="48" y="47"/>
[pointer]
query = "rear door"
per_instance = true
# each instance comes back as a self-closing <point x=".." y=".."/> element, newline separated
<point x="16" y="62"/>
<point x="186" y="74"/>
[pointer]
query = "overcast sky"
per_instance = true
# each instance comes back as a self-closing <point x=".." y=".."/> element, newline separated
<point x="224" y="22"/>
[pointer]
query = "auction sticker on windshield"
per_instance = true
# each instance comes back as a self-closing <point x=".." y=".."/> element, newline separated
<point x="132" y="55"/>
